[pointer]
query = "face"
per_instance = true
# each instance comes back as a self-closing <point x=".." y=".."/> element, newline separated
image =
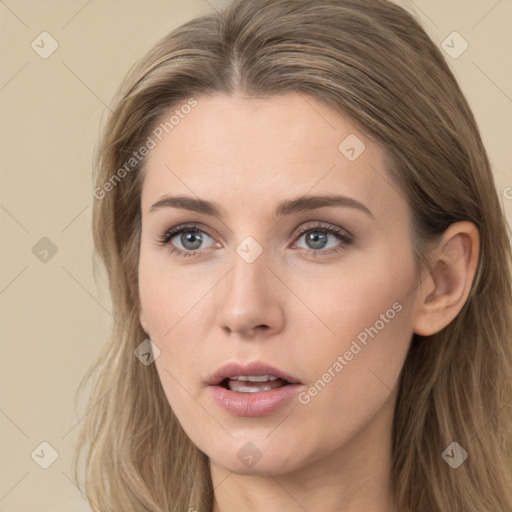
<point x="269" y="281"/>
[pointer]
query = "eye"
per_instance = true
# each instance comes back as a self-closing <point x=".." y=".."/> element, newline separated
<point x="190" y="240"/>
<point x="316" y="238"/>
<point x="185" y="240"/>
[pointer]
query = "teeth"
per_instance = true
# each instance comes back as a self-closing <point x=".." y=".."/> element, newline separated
<point x="254" y="378"/>
<point x="250" y="386"/>
<point x="243" y="389"/>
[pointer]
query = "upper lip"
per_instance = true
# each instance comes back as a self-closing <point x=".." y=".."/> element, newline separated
<point x="255" y="368"/>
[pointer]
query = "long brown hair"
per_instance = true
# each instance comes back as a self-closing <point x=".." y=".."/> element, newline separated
<point x="373" y="62"/>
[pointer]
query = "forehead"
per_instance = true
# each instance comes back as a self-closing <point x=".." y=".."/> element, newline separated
<point x="255" y="152"/>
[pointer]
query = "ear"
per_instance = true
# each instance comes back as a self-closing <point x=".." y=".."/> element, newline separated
<point x="445" y="288"/>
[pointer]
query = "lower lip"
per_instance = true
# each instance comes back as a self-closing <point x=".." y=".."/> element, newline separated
<point x="261" y="403"/>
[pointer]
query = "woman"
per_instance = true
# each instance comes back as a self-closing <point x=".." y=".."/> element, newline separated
<point x="309" y="269"/>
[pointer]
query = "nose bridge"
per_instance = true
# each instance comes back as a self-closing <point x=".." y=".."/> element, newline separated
<point x="248" y="299"/>
<point x="249" y="269"/>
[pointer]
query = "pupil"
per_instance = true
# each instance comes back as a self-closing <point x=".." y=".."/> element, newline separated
<point x="191" y="237"/>
<point x="317" y="240"/>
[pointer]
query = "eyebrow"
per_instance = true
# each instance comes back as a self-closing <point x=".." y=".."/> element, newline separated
<point x="287" y="207"/>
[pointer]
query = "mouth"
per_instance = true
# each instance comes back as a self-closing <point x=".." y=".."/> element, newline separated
<point x="254" y="389"/>
<point x="250" y="377"/>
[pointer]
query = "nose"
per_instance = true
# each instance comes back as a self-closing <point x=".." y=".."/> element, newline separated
<point x="251" y="299"/>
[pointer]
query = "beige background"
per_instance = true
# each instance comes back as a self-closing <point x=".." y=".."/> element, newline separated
<point x="54" y="317"/>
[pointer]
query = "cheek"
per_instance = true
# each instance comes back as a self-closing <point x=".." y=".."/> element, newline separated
<point x="353" y="380"/>
<point x="354" y="371"/>
<point x="168" y="295"/>
<point x="173" y="308"/>
<point x="367" y="289"/>
<point x="367" y="305"/>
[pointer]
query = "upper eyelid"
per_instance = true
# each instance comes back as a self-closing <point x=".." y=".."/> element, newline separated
<point x="319" y="225"/>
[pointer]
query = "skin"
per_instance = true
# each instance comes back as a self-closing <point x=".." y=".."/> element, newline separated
<point x="289" y="308"/>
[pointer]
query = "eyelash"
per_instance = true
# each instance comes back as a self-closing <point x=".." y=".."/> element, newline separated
<point x="346" y="239"/>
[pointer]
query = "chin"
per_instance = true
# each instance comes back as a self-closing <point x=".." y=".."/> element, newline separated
<point x="271" y="465"/>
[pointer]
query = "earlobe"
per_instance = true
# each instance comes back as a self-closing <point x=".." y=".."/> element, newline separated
<point x="445" y="290"/>
<point x="143" y="323"/>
